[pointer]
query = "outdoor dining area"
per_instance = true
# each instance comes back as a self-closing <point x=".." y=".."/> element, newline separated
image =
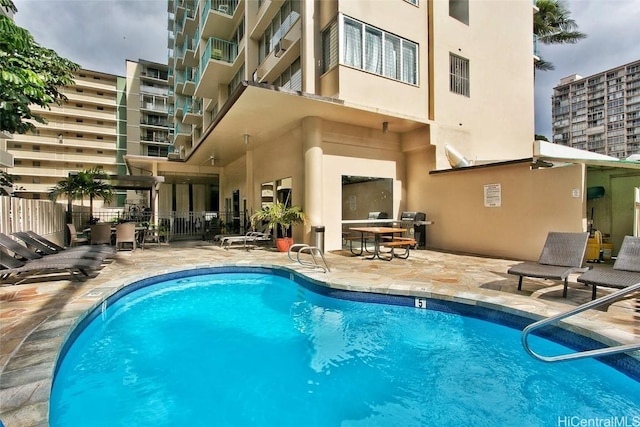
<point x="126" y="235"/>
<point x="379" y="237"/>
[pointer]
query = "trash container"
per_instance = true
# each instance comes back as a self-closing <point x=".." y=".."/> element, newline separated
<point x="317" y="232"/>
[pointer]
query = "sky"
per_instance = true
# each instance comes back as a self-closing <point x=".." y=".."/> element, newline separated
<point x="101" y="34"/>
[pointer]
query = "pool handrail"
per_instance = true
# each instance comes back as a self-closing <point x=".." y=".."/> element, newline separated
<point x="582" y="354"/>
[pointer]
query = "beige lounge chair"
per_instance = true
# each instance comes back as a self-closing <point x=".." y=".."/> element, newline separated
<point x="625" y="271"/>
<point x="45" y="246"/>
<point x="126" y="233"/>
<point x="15" y="271"/>
<point x="25" y="253"/>
<point x="561" y="256"/>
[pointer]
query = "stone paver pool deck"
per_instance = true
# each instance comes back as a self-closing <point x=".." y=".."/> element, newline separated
<point x="37" y="316"/>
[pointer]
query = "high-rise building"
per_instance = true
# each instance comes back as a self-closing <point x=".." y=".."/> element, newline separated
<point x="296" y="100"/>
<point x="298" y="94"/>
<point x="81" y="133"/>
<point x="599" y="113"/>
<point x="149" y="131"/>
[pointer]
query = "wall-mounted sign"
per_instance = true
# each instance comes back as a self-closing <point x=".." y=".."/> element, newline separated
<point x="492" y="196"/>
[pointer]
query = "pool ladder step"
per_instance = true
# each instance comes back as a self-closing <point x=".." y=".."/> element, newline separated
<point x="582" y="354"/>
<point x="313" y="251"/>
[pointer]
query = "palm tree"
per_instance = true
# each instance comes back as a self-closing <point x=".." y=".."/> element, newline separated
<point x="70" y="187"/>
<point x="552" y="25"/>
<point x="87" y="183"/>
<point x="93" y="186"/>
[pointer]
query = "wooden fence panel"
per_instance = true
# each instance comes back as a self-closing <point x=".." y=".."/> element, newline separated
<point x="41" y="216"/>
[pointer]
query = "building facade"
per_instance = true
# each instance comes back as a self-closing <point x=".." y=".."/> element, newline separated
<point x="82" y="133"/>
<point x="599" y="113"/>
<point x="307" y="95"/>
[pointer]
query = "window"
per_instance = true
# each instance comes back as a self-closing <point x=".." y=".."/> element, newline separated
<point x="352" y="48"/>
<point x="459" y="9"/>
<point x="280" y="25"/>
<point x="330" y="47"/>
<point x="291" y="78"/>
<point x="373" y="50"/>
<point x="458" y="75"/>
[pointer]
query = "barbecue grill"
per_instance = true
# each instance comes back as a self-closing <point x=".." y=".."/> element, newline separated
<point x="417" y="221"/>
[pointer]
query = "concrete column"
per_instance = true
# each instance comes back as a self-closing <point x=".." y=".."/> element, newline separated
<point x="309" y="51"/>
<point x="249" y="185"/>
<point x="155" y="190"/>
<point x="312" y="149"/>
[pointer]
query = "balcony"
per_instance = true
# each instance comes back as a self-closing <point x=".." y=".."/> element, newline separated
<point x="188" y="57"/>
<point x="189" y="25"/>
<point x="182" y="134"/>
<point x="152" y="123"/>
<point x="218" y="64"/>
<point x="192" y="112"/>
<point x="190" y="80"/>
<point x="155" y="138"/>
<point x="178" y="106"/>
<point x="154" y="106"/>
<point x="155" y="76"/>
<point x="219" y="18"/>
<point x="178" y="9"/>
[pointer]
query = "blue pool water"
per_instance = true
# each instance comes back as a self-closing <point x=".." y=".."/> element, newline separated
<point x="259" y="350"/>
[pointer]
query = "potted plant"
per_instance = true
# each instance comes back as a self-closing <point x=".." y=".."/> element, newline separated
<point x="279" y="216"/>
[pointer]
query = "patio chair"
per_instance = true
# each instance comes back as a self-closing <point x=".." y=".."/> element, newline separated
<point x="44" y="246"/>
<point x="151" y="235"/>
<point x="625" y="271"/>
<point x="11" y="267"/>
<point x="101" y="234"/>
<point x="76" y="238"/>
<point x="126" y="233"/>
<point x="561" y="256"/>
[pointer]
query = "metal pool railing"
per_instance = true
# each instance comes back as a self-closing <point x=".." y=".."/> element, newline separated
<point x="582" y="354"/>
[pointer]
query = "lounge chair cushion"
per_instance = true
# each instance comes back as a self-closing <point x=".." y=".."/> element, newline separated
<point x="543" y="271"/>
<point x="610" y="278"/>
<point x="555" y="250"/>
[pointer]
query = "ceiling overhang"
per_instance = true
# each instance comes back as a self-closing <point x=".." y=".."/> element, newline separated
<point x="555" y="153"/>
<point x="134" y="182"/>
<point x="265" y="112"/>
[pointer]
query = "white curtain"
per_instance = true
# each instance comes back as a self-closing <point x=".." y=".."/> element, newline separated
<point x="391" y="56"/>
<point x="182" y="198"/>
<point x="373" y="51"/>
<point x="352" y="43"/>
<point x="409" y="62"/>
<point x="199" y="197"/>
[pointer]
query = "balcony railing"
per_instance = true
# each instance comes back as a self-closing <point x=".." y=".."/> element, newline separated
<point x="220" y="50"/>
<point x="226" y="7"/>
<point x="192" y="106"/>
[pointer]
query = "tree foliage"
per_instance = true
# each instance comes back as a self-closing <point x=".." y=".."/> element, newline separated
<point x="30" y="74"/>
<point x="553" y="25"/>
<point x="88" y="183"/>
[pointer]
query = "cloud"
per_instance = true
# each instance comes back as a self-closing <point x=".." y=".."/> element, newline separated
<point x="612" y="29"/>
<point x="98" y="35"/>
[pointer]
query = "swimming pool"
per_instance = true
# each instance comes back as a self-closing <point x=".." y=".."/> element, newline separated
<point x="253" y="348"/>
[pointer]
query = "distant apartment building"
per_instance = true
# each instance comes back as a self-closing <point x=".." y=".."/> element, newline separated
<point x="149" y="131"/>
<point x="599" y="113"/>
<point x="82" y="133"/>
